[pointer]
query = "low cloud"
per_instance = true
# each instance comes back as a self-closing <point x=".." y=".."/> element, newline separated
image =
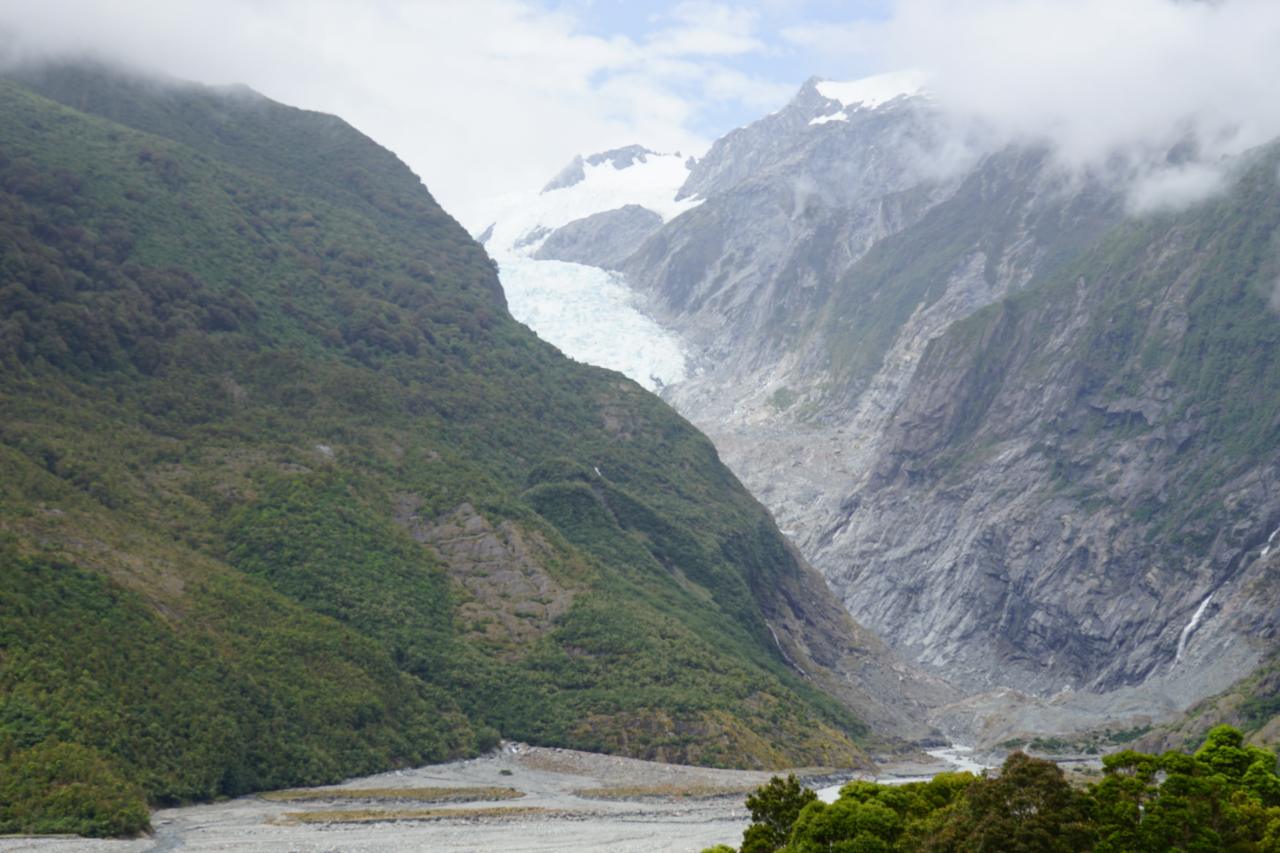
<point x="1161" y="93"/>
<point x="479" y="98"/>
<point x="1174" y="187"/>
<point x="489" y="96"/>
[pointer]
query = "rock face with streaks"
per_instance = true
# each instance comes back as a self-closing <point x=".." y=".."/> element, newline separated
<point x="1080" y="484"/>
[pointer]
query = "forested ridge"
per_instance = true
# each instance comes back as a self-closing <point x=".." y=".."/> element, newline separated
<point x="287" y="496"/>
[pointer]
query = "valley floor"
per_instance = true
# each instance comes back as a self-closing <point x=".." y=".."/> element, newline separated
<point x="571" y="801"/>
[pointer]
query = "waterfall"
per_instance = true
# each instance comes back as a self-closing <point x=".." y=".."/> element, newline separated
<point x="1266" y="549"/>
<point x="783" y="651"/>
<point x="1191" y="626"/>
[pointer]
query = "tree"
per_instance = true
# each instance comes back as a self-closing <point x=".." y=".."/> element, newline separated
<point x="845" y="825"/>
<point x="774" y="809"/>
<point x="1225" y="797"/>
<point x="1224" y="751"/>
<point x="1028" y="808"/>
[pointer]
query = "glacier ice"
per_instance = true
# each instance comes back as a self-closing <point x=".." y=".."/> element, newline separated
<point x="587" y="312"/>
<point x="652" y="184"/>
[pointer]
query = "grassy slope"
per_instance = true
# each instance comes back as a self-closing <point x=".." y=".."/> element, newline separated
<point x="1251" y="705"/>
<point x="232" y="348"/>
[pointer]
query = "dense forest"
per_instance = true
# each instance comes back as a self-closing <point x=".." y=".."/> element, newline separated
<point x="287" y="496"/>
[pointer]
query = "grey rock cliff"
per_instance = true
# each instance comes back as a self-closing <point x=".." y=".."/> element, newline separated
<point x="1057" y="497"/>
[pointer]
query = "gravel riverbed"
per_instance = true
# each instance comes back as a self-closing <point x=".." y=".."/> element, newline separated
<point x="551" y="800"/>
<point x="567" y="801"/>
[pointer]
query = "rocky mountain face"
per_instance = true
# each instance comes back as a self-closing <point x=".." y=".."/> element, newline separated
<point x="1005" y="417"/>
<point x="785" y="207"/>
<point x="1079" y="485"/>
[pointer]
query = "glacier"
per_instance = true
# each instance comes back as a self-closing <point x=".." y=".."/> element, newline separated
<point x="651" y="183"/>
<point x="589" y="313"/>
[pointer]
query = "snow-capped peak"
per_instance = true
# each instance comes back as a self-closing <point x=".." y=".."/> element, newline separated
<point x="621" y="158"/>
<point x="593" y="184"/>
<point x="867" y="93"/>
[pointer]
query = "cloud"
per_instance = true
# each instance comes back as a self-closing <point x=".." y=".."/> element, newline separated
<point x="1113" y="86"/>
<point x="729" y="84"/>
<point x="489" y="96"/>
<point x="479" y="98"/>
<point x="835" y="46"/>
<point x="708" y="29"/>
<point x="1172" y="187"/>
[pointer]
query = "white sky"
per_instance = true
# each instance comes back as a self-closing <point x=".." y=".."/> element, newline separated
<point x="483" y="97"/>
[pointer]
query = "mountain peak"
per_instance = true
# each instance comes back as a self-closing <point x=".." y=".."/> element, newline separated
<point x="619" y="158"/>
<point x="622" y="157"/>
<point x="871" y="92"/>
<point x="868" y="93"/>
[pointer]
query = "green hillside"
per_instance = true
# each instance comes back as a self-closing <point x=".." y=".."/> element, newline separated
<point x="286" y="495"/>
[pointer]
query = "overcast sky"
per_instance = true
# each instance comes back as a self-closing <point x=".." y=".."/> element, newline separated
<point x="486" y="97"/>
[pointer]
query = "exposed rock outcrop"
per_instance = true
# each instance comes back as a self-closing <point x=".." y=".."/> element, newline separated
<point x="603" y="239"/>
<point x="513" y="599"/>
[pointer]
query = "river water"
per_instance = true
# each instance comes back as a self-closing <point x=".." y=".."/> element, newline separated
<point x="955" y="759"/>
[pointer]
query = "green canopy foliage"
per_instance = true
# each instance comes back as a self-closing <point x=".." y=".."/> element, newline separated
<point x="67" y="788"/>
<point x="774" y="808"/>
<point x="1221" y="798"/>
